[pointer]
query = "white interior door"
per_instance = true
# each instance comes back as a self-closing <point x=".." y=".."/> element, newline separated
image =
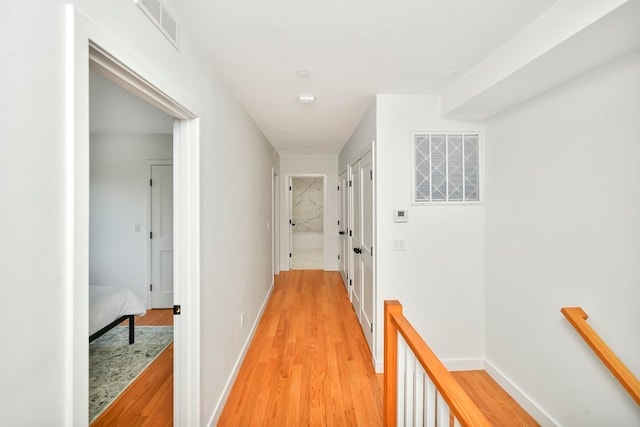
<point x="343" y="201"/>
<point x="161" y="235"/>
<point x="291" y="223"/>
<point x="348" y="230"/>
<point x="366" y="255"/>
<point x="356" y="241"/>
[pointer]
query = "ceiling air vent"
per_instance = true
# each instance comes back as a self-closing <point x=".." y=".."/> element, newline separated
<point x="163" y="19"/>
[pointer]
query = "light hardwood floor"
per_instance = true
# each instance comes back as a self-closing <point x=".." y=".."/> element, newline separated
<point x="309" y="363"/>
<point x="148" y="401"/>
<point x="495" y="403"/>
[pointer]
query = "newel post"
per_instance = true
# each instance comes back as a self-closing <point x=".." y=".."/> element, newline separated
<point x="391" y="309"/>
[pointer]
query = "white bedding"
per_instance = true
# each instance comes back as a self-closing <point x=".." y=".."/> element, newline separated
<point x="108" y="303"/>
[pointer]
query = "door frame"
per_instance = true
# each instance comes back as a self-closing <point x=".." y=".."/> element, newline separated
<point x="289" y="201"/>
<point x="275" y="221"/>
<point x="87" y="44"/>
<point x="148" y="254"/>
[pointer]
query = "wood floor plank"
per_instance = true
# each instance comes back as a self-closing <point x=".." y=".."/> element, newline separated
<point x="308" y="363"/>
<point x="494" y="402"/>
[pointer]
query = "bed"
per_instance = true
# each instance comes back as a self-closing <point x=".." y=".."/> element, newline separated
<point x="109" y="306"/>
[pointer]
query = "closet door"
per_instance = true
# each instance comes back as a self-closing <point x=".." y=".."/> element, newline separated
<point x="366" y="255"/>
<point x="356" y="240"/>
<point x="343" y="229"/>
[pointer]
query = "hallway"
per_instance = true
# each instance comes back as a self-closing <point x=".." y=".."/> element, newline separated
<point x="308" y="363"/>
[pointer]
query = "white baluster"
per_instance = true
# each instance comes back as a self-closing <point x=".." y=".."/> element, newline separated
<point x="402" y="351"/>
<point x="418" y="395"/>
<point x="443" y="412"/>
<point x="429" y="402"/>
<point x="410" y="363"/>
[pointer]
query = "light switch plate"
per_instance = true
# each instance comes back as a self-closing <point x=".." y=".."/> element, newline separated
<point x="399" y="245"/>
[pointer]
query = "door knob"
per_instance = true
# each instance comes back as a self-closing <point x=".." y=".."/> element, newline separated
<point x="293" y="224"/>
<point x="341" y="233"/>
<point x="357" y="250"/>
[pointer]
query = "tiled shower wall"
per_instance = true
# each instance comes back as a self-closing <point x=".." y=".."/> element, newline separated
<point x="307" y="204"/>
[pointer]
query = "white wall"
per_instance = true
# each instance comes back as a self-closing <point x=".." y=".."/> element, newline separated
<point x="113" y="109"/>
<point x="562" y="229"/>
<point x="360" y="140"/>
<point x="311" y="165"/>
<point x="120" y="174"/>
<point x="439" y="279"/>
<point x="236" y="163"/>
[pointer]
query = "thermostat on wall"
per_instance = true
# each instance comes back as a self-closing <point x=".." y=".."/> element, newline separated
<point x="400" y="215"/>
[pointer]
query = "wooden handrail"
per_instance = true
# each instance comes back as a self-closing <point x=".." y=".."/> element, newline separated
<point x="460" y="404"/>
<point x="577" y="317"/>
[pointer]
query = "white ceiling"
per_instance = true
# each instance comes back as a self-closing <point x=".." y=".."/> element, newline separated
<point x="353" y="49"/>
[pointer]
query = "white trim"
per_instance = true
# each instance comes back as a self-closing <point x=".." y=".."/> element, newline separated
<point x="378" y="365"/>
<point x="75" y="398"/>
<point x="378" y="321"/>
<point x="125" y="77"/>
<point x="520" y="396"/>
<point x="186" y="249"/>
<point x="272" y="221"/>
<point x="82" y="35"/>
<point x="463" y="364"/>
<point x="217" y="412"/>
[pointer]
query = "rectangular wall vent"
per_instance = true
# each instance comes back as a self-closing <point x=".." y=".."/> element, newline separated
<point x="163" y="19"/>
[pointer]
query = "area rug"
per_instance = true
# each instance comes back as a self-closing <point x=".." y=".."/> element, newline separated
<point x="114" y="364"/>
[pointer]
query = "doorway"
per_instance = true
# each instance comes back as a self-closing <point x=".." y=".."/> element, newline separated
<point x="81" y="53"/>
<point x="130" y="243"/>
<point x="306" y="236"/>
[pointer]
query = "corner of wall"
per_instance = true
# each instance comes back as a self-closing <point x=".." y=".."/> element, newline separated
<point x="520" y="396"/>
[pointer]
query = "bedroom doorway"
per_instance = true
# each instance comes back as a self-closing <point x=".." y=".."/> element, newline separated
<point x="130" y="249"/>
<point x="81" y="55"/>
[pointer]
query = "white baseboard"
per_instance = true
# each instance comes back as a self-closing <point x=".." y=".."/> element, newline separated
<point x="331" y="267"/>
<point x="463" y="364"/>
<point x="520" y="396"/>
<point x="215" y="417"/>
<point x="378" y="365"/>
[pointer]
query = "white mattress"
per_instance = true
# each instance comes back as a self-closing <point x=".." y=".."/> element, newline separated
<point x="107" y="303"/>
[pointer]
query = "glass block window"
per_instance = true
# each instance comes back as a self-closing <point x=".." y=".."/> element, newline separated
<point x="446" y="167"/>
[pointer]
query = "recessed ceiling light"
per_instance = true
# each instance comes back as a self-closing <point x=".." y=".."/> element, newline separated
<point x="306" y="99"/>
<point x="302" y="74"/>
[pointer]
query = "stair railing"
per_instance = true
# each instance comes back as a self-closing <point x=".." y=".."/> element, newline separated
<point x="578" y="319"/>
<point x="418" y="389"/>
